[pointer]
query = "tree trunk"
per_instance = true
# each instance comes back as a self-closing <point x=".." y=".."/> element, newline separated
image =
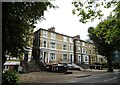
<point x="109" y="61"/>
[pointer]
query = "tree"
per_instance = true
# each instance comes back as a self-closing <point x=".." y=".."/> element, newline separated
<point x="18" y="20"/>
<point x="103" y="47"/>
<point x="106" y="35"/>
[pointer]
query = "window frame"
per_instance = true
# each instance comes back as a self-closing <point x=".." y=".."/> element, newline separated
<point x="70" y="39"/>
<point x="83" y="43"/>
<point x="52" y="44"/>
<point x="90" y="51"/>
<point x="86" y="58"/>
<point x="84" y="49"/>
<point x="70" y="48"/>
<point x="44" y="43"/>
<point x="45" y="33"/>
<point x="79" y="49"/>
<point x="53" y="36"/>
<point x="63" y="47"/>
<point x="54" y="57"/>
<point x="64" y="38"/>
<point x="65" y="56"/>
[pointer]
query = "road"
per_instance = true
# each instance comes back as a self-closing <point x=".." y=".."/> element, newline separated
<point x="99" y="78"/>
<point x="96" y="76"/>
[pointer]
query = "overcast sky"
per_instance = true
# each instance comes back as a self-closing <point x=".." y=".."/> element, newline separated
<point x="65" y="22"/>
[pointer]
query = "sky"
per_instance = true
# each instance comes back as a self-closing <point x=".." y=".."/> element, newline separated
<point x="65" y="22"/>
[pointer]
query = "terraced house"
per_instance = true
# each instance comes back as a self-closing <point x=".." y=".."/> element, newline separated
<point x="51" y="47"/>
<point x="80" y="51"/>
<point x="91" y="53"/>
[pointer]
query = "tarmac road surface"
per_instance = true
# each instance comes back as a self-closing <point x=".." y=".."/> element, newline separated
<point x="99" y="78"/>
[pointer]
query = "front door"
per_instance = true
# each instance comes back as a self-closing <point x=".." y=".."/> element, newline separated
<point x="79" y="58"/>
<point x="44" y="57"/>
<point x="71" y="58"/>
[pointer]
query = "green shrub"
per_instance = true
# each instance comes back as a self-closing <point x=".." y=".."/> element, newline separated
<point x="104" y="65"/>
<point x="10" y="78"/>
<point x="116" y="65"/>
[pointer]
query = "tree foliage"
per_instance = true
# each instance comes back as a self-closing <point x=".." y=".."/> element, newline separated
<point x="104" y="48"/>
<point x="88" y="10"/>
<point x="18" y="19"/>
<point x="106" y="36"/>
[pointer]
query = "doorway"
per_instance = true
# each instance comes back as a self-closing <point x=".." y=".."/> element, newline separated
<point x="79" y="58"/>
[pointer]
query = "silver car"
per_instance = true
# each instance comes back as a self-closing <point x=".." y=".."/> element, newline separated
<point x="73" y="66"/>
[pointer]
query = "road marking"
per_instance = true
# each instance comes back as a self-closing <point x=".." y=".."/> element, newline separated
<point x="110" y="79"/>
<point x="72" y="81"/>
<point x="97" y="77"/>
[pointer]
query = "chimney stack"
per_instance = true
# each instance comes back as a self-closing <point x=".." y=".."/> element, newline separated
<point x="77" y="37"/>
<point x="52" y="29"/>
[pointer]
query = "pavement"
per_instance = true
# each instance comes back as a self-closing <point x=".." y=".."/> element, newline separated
<point x="50" y="77"/>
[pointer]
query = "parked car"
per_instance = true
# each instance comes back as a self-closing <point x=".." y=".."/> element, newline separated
<point x="61" y="67"/>
<point x="96" y="66"/>
<point x="63" y="64"/>
<point x="73" y="66"/>
<point x="49" y="68"/>
<point x="70" y="66"/>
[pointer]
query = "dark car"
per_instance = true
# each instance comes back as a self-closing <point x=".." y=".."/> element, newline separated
<point x="49" y="68"/>
<point x="62" y="67"/>
<point x="96" y="66"/>
<point x="63" y="64"/>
